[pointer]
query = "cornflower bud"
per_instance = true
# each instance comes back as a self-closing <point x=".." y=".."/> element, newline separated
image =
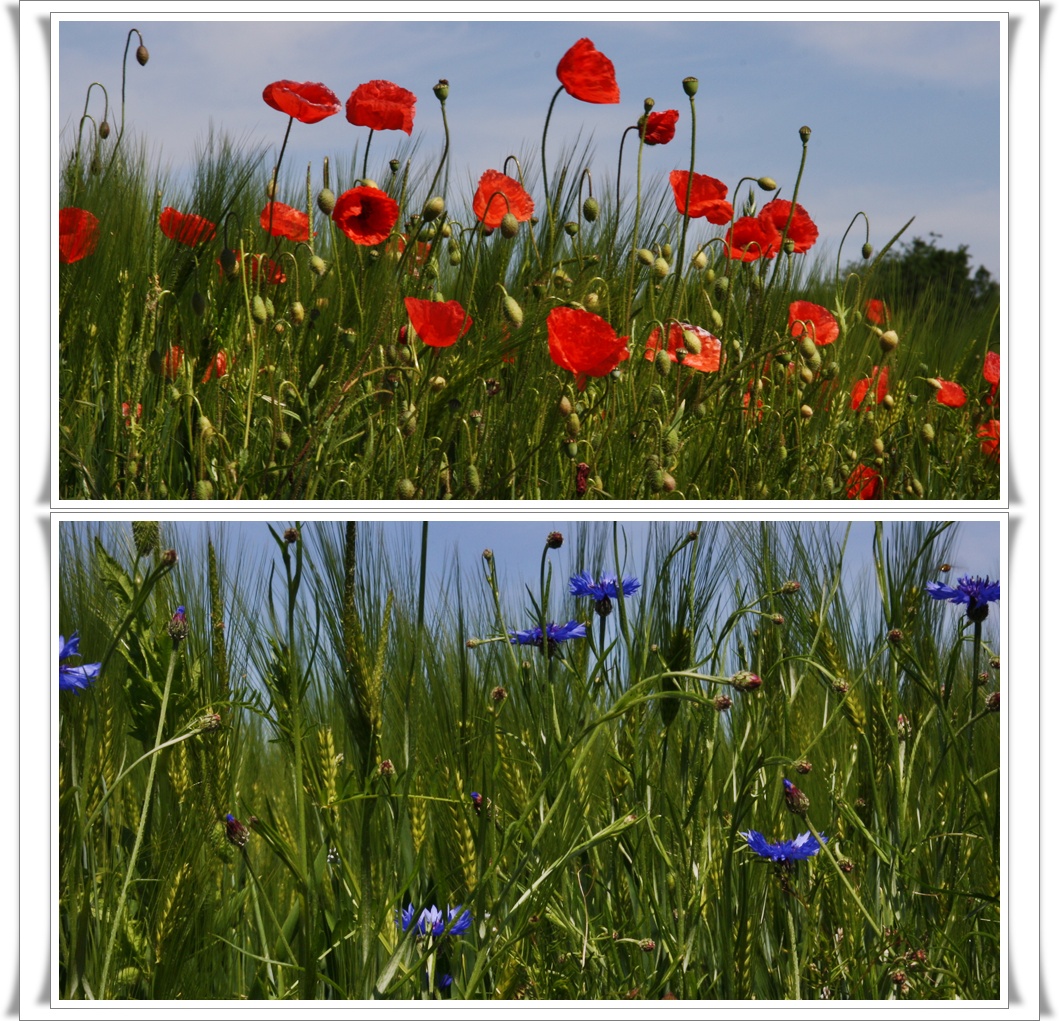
<point x="554" y="540"/>
<point x="722" y="703"/>
<point x="744" y="680"/>
<point x="797" y="802"/>
<point x="386" y="768"/>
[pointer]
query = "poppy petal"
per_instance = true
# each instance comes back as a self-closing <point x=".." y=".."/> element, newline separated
<point x="587" y="74"/>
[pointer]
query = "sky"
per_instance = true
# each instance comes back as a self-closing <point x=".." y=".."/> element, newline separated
<point x="905" y="115"/>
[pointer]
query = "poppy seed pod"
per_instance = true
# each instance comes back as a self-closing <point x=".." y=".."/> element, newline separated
<point x="509" y="225"/>
<point x="142" y="56"/>
<point x="441" y="90"/>
<point x="325" y="201"/>
<point x="571" y="227"/>
<point x="804" y="132"/>
<point x="691" y="86"/>
<point x="648" y="105"/>
<point x="434" y="208"/>
<point x="590" y="209"/>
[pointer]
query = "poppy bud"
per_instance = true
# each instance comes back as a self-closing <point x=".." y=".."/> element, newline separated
<point x="325" y="201"/>
<point x="666" y="251"/>
<point x="204" y="490"/>
<point x="142" y="56"/>
<point x="258" y="310"/>
<point x="648" y="105"/>
<point x="297" y="313"/>
<point x="509" y="225"/>
<point x="721" y="284"/>
<point x="198" y="304"/>
<point x="571" y="227"/>
<point x="698" y="260"/>
<point x="716" y="319"/>
<point x="434" y="208"/>
<point x="441" y="90"/>
<point x="767" y="184"/>
<point x="671" y="441"/>
<point x="573" y="424"/>
<point x="646" y="256"/>
<point x="888" y="341"/>
<point x="662" y="363"/>
<point x="512" y="311"/>
<point x="590" y="209"/>
<point x="878" y="446"/>
<point x="660" y="268"/>
<point x="406" y="489"/>
<point x="866" y="250"/>
<point x="656" y="479"/>
<point x="806" y="412"/>
<point x="455" y="255"/>
<point x="927" y="433"/>
<point x="104" y="130"/>
<point x="805" y="374"/>
<point x="592" y="301"/>
<point x="228" y="262"/>
<point x="319" y="267"/>
<point x="691" y="86"/>
<point x="888" y="402"/>
<point x="692" y="342"/>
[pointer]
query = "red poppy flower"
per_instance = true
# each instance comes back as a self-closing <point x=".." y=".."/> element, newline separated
<point x="171" y="362"/>
<point x="748" y="239"/>
<point x="381" y="106"/>
<point x="707" y="196"/>
<point x="584" y="343"/>
<point x="659" y="128"/>
<point x="802" y="231"/>
<point x="78" y="234"/>
<point x="275" y="273"/>
<point x="587" y="74"/>
<point x="864" y="483"/>
<point x="707" y="360"/>
<point x="991" y="373"/>
<point x="287" y="222"/>
<point x="989" y="434"/>
<point x="438" y="323"/>
<point x="365" y="215"/>
<point x="759" y="405"/>
<point x="805" y="317"/>
<point x="490" y="207"/>
<point x="187" y="228"/>
<point x="950" y="394"/>
<point x="126" y="413"/>
<point x="861" y="389"/>
<point x="875" y="311"/>
<point x="218" y="365"/>
<point x="307" y="102"/>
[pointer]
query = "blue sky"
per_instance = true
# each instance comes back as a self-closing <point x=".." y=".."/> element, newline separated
<point x="906" y="115"/>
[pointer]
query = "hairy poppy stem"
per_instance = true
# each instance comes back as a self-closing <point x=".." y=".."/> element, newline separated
<point x="124" y="62"/>
<point x="631" y="289"/>
<point x="275" y="180"/>
<point x="687" y="212"/>
<point x="544" y="170"/>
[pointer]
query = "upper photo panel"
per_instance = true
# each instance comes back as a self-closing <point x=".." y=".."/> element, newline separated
<point x="521" y="260"/>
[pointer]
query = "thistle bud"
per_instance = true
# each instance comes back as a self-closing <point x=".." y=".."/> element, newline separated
<point x="590" y="210"/>
<point x="434" y="208"/>
<point x="797" y="802"/>
<point x="142" y="56"/>
<point x="291" y="536"/>
<point x="325" y="201"/>
<point x="722" y="703"/>
<point x="509" y="225"/>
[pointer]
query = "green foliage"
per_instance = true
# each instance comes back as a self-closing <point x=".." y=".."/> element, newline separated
<point x="604" y="858"/>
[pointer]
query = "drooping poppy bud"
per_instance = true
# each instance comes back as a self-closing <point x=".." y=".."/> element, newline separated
<point x="142" y="55"/>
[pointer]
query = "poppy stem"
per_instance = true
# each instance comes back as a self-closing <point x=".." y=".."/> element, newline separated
<point x="124" y="62"/>
<point x="367" y="149"/>
<point x="544" y="170"/>
<point x="794" y="206"/>
<point x="275" y="179"/>
<point x="631" y="288"/>
<point x="687" y="213"/>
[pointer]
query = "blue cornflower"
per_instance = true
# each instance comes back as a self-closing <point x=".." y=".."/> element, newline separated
<point x="602" y="591"/>
<point x="556" y="633"/>
<point x="976" y="592"/>
<point x="432" y="920"/>
<point x="783" y="851"/>
<point x="74" y="678"/>
<point x="607" y="586"/>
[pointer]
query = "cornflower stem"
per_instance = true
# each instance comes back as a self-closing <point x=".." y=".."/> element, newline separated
<point x="797" y="993"/>
<point x="687" y="212"/>
<point x="842" y="875"/>
<point x="119" y="911"/>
